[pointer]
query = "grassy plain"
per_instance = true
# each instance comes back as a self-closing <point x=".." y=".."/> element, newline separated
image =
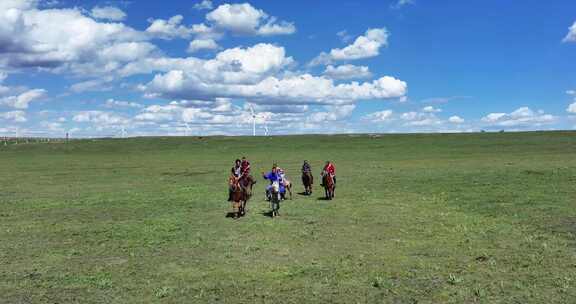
<point x="459" y="218"/>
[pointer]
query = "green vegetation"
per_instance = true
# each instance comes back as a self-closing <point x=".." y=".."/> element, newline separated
<point x="461" y="218"/>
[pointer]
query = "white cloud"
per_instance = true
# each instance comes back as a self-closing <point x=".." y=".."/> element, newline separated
<point x="421" y="119"/>
<point x="203" y="5"/>
<point x="365" y="46"/>
<point x="281" y="108"/>
<point x="112" y="103"/>
<point x="334" y="113"/>
<point x="347" y="71"/>
<point x="63" y="40"/>
<point x="23" y="100"/>
<point x="202" y="44"/>
<point x="244" y="19"/>
<point x="571" y="36"/>
<point x="456" y="119"/>
<point x="14" y="116"/>
<point x="439" y="100"/>
<point x="401" y="3"/>
<point x="108" y="13"/>
<point x="380" y="116"/>
<point x="97" y="85"/>
<point x="571" y="108"/>
<point x="100" y="118"/>
<point x="304" y="89"/>
<point x="344" y="36"/>
<point x="231" y="66"/>
<point x="431" y="109"/>
<point x="169" y="29"/>
<point x="521" y="117"/>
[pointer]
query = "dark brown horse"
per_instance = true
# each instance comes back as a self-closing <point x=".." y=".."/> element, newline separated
<point x="307" y="180"/>
<point x="328" y="182"/>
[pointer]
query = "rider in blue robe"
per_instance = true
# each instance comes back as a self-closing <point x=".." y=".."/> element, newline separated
<point x="274" y="176"/>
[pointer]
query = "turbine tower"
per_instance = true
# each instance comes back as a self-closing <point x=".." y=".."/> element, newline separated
<point x="253" y="120"/>
<point x="266" y="133"/>
<point x="187" y="132"/>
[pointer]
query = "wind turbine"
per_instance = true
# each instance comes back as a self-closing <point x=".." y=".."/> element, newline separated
<point x="266" y="133"/>
<point x="187" y="132"/>
<point x="253" y="120"/>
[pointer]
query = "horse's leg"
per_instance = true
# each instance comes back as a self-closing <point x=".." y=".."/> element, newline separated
<point x="290" y="190"/>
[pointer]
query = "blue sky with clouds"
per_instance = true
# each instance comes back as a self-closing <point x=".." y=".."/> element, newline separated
<point x="199" y="67"/>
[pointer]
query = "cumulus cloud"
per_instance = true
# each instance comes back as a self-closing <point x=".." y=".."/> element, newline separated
<point x="202" y="44"/>
<point x="169" y="29"/>
<point x="244" y="19"/>
<point x="203" y="5"/>
<point x="253" y="73"/>
<point x="421" y="119"/>
<point x="334" y="113"/>
<point x="347" y="71"/>
<point x="113" y="103"/>
<point x="344" y="36"/>
<point x="401" y="3"/>
<point x="13" y="116"/>
<point x="571" y="36"/>
<point x="108" y="13"/>
<point x="231" y="66"/>
<point x="94" y="85"/>
<point x="365" y="46"/>
<point x="571" y="108"/>
<point x="456" y="119"/>
<point x="431" y="109"/>
<point x="380" y="116"/>
<point x="521" y="117"/>
<point x="305" y="89"/>
<point x="101" y="118"/>
<point x="64" y="39"/>
<point x="22" y="101"/>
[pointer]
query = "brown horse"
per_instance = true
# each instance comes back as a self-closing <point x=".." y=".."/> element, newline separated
<point x="328" y="182"/>
<point x="307" y="180"/>
<point x="246" y="185"/>
<point x="238" y="198"/>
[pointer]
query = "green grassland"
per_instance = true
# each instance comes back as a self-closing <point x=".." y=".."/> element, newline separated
<point x="459" y="218"/>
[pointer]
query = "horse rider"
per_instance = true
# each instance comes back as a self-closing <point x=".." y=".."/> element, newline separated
<point x="330" y="169"/>
<point x="307" y="169"/>
<point x="273" y="176"/>
<point x="244" y="168"/>
<point x="282" y="175"/>
<point x="235" y="174"/>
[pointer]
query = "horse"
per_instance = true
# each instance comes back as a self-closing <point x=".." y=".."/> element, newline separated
<point x="275" y="199"/>
<point x="307" y="180"/>
<point x="328" y="182"/>
<point x="238" y="200"/>
<point x="246" y="185"/>
<point x="288" y="186"/>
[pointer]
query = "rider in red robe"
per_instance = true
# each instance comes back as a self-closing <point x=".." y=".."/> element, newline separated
<point x="330" y="169"/>
<point x="244" y="168"/>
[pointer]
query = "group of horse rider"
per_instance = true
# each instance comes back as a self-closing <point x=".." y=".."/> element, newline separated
<point x="278" y="183"/>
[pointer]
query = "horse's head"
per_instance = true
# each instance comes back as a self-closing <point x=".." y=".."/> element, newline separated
<point x="276" y="187"/>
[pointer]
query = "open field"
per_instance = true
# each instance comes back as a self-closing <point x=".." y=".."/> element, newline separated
<point x="462" y="218"/>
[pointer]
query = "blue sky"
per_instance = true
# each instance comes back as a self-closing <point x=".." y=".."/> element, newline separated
<point x="199" y="67"/>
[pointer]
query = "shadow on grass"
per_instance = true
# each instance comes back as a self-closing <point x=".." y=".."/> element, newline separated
<point x="267" y="214"/>
<point x="304" y="194"/>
